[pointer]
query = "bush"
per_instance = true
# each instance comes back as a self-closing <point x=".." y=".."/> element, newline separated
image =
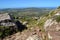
<point x="6" y="31"/>
<point x="51" y="13"/>
<point x="57" y="18"/>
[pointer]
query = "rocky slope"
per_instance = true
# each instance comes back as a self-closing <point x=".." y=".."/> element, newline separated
<point x="30" y="34"/>
<point x="48" y="29"/>
<point x="52" y="26"/>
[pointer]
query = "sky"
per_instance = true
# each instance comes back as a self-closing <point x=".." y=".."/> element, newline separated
<point x="28" y="3"/>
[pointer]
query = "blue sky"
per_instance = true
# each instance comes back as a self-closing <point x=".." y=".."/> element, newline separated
<point x="28" y="3"/>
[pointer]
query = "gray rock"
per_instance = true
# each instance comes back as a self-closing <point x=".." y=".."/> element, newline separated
<point x="33" y="37"/>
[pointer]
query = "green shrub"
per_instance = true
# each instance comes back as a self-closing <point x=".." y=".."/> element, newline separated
<point x="51" y="13"/>
<point x="5" y="31"/>
<point x="42" y="21"/>
<point x="57" y="18"/>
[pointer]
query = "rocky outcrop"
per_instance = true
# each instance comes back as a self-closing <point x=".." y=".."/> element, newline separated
<point x="48" y="23"/>
<point x="52" y="27"/>
<point x="6" y="20"/>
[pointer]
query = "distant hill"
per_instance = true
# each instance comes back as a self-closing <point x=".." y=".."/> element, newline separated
<point x="33" y="11"/>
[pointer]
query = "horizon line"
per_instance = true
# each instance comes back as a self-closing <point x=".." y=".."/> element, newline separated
<point x="28" y="7"/>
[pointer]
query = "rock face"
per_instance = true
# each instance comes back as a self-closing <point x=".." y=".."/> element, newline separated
<point x="48" y="23"/>
<point x="4" y="16"/>
<point x="53" y="29"/>
<point x="6" y="20"/>
<point x="33" y="37"/>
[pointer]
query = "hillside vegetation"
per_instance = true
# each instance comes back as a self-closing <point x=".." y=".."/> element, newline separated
<point x="27" y="11"/>
<point x="31" y="18"/>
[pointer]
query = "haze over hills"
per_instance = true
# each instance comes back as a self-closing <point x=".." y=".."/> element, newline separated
<point x="32" y="11"/>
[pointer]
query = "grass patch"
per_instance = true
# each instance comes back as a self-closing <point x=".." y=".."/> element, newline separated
<point x="57" y="18"/>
